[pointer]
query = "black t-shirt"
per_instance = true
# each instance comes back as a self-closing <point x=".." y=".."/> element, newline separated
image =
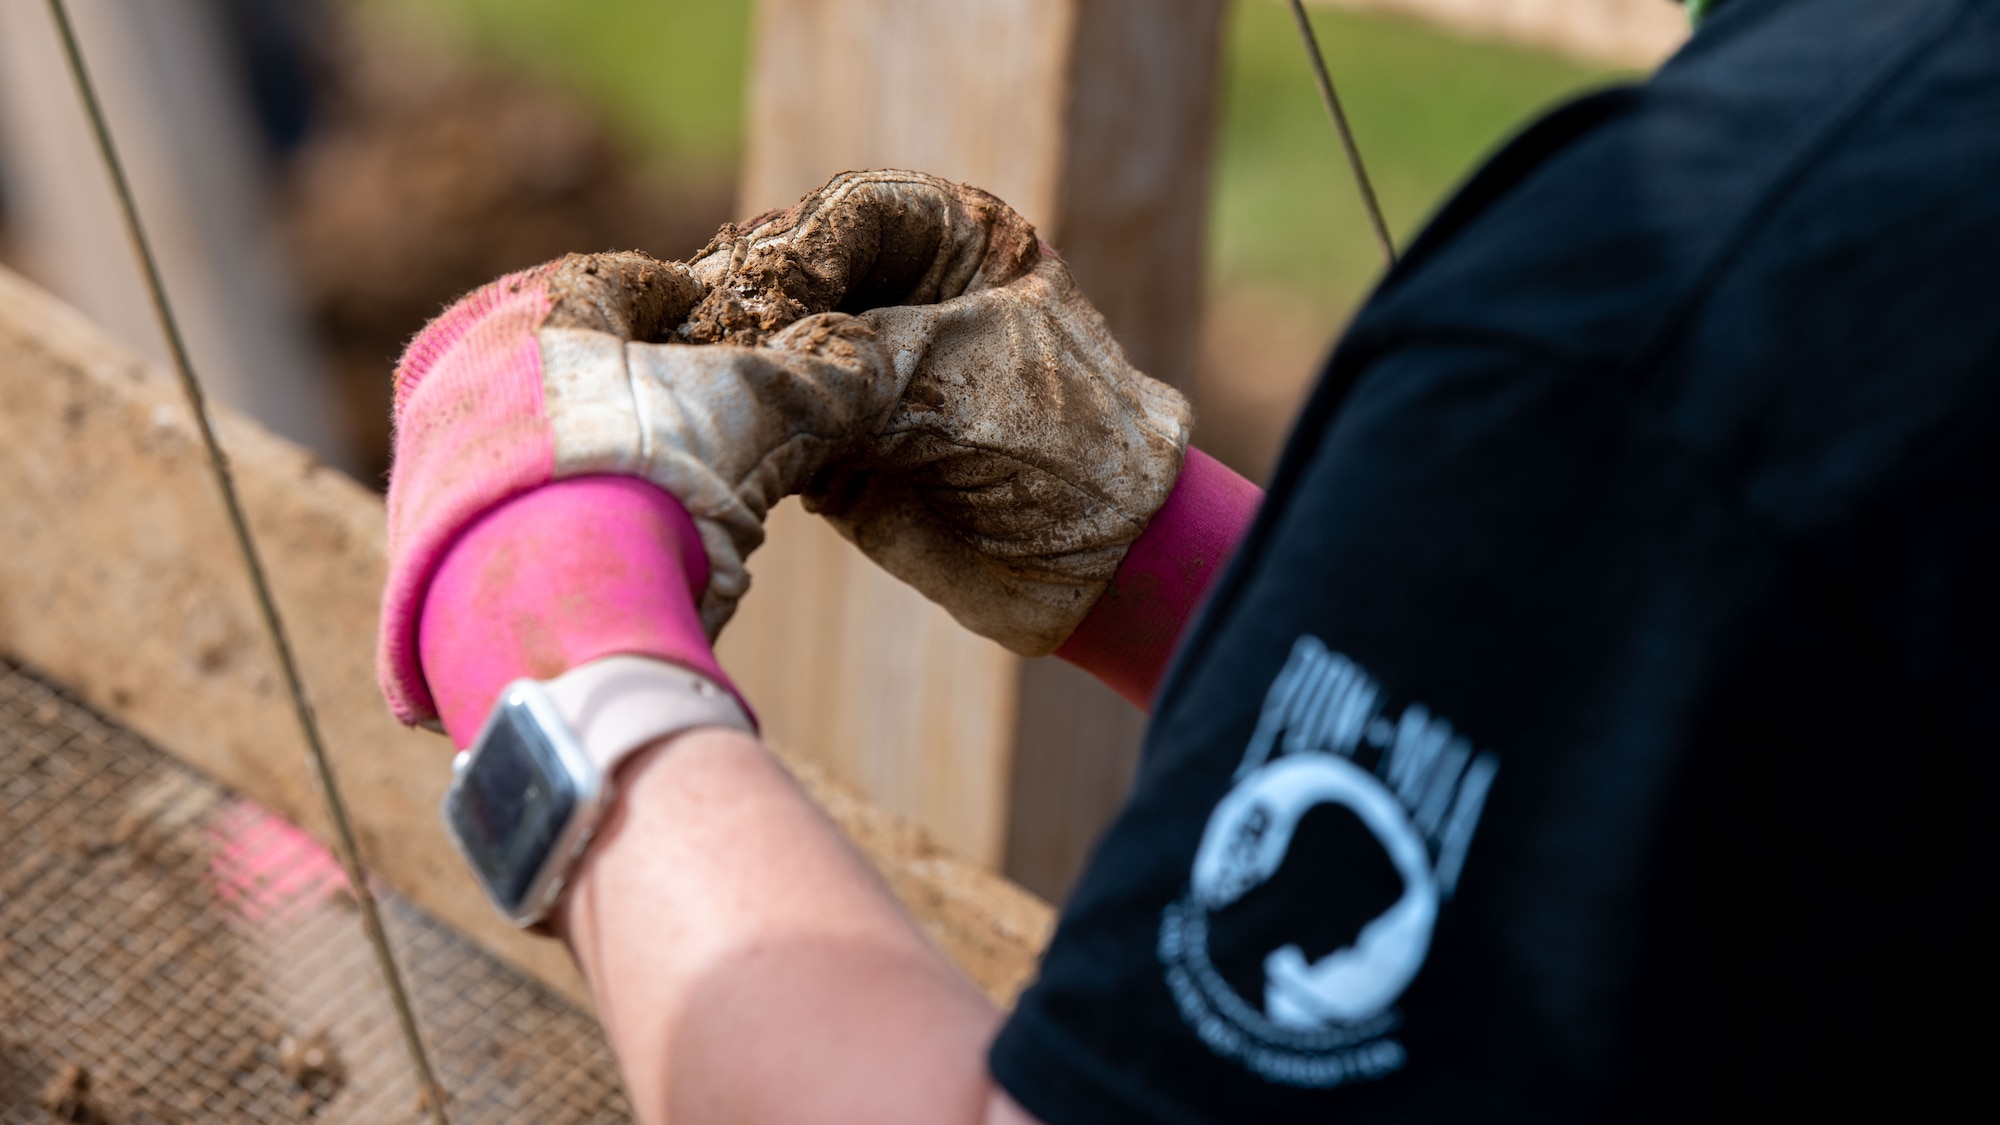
<point x="1598" y="722"/>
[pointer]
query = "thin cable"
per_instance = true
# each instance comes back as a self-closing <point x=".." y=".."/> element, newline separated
<point x="1353" y="151"/>
<point x="350" y="856"/>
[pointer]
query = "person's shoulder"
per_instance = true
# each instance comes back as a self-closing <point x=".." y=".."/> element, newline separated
<point x="1778" y="248"/>
<point x="1594" y="229"/>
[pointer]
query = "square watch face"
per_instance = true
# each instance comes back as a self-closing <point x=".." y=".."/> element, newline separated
<point x="511" y="804"/>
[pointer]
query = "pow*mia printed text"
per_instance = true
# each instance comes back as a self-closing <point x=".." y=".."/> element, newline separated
<point x="1324" y="1020"/>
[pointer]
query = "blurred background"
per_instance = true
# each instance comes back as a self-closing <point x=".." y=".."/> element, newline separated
<point x="319" y="178"/>
<point x="325" y="175"/>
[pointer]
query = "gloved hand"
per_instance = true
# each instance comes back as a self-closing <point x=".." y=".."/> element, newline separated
<point x="974" y="428"/>
<point x="1023" y="455"/>
<point x="548" y="375"/>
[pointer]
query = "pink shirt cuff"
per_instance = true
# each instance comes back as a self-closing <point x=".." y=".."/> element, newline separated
<point x="554" y="578"/>
<point x="1130" y="633"/>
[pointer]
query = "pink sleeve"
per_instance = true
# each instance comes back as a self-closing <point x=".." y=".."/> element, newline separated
<point x="553" y="578"/>
<point x="1129" y="635"/>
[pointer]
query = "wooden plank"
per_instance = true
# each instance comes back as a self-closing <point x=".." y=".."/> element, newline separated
<point x="120" y="580"/>
<point x="848" y="668"/>
<point x="846" y="665"/>
<point x="972" y="90"/>
<point x="1140" y="119"/>
<point x="1091" y="117"/>
<point x="1139" y="101"/>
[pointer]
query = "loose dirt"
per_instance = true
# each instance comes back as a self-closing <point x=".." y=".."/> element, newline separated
<point x="862" y="241"/>
<point x="67" y="1097"/>
<point x="173" y="954"/>
<point x="312" y="1064"/>
<point x="625" y="293"/>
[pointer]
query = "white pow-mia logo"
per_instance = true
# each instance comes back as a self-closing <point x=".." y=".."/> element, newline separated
<point x="1326" y="1021"/>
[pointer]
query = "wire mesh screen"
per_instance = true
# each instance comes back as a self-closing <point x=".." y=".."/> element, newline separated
<point x="172" y="953"/>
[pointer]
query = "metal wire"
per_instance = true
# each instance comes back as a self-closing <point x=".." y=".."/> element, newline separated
<point x="350" y="857"/>
<point x="1353" y="151"/>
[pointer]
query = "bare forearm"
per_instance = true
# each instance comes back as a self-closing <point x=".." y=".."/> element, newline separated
<point x="749" y="967"/>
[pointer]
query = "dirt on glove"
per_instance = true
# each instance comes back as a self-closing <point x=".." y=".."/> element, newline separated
<point x="626" y="293"/>
<point x="862" y="241"/>
<point x="1022" y="454"/>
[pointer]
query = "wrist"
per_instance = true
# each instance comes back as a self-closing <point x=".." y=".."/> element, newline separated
<point x="529" y="796"/>
<point x="1129" y="635"/>
<point x="555" y="578"/>
<point x="644" y="786"/>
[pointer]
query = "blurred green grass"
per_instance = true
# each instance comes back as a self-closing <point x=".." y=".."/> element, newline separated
<point x="1425" y="106"/>
<point x="668" y="76"/>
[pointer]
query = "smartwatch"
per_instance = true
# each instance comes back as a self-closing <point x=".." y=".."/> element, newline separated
<point x="528" y="794"/>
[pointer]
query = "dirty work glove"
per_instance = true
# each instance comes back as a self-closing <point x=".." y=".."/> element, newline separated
<point x="548" y="375"/>
<point x="1024" y="454"/>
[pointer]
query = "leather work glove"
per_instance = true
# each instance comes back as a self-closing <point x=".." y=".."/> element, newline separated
<point x="1023" y="454"/>
<point x="552" y="375"/>
<point x="900" y="349"/>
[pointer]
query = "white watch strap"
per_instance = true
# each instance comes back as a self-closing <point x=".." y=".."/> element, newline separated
<point x="617" y="704"/>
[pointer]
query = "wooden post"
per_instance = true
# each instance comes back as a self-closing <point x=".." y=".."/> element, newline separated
<point x="1093" y="118"/>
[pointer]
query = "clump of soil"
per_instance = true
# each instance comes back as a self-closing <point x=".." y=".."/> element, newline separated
<point x="624" y="293"/>
<point x="426" y="178"/>
<point x="890" y="238"/>
<point x="311" y="1064"/>
<point x="67" y="1097"/>
<point x="746" y="304"/>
